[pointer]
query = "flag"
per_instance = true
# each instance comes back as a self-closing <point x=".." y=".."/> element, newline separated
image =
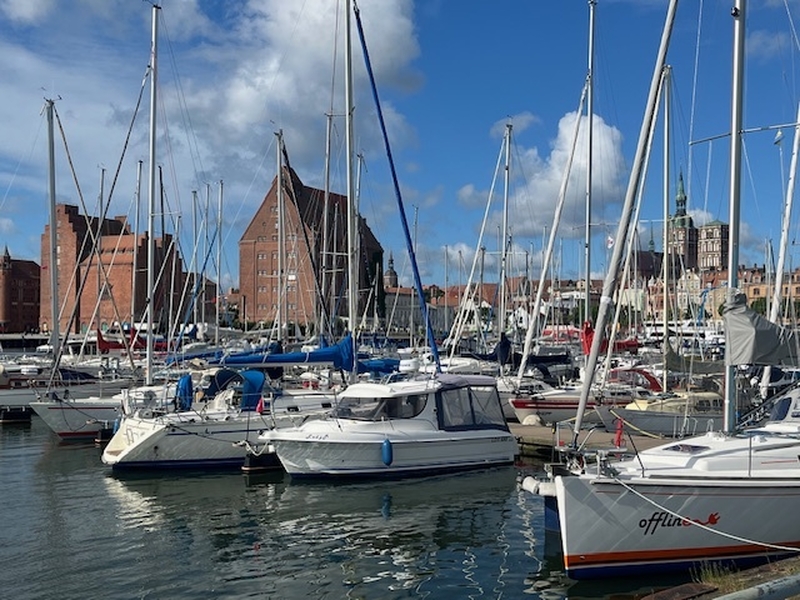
<point x="609" y="242"/>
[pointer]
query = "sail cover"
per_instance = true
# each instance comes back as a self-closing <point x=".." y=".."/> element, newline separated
<point x="751" y="339"/>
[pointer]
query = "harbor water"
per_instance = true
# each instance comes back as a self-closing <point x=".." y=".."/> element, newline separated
<point x="72" y="529"/>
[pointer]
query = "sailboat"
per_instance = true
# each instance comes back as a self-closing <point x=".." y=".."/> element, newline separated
<point x="722" y="497"/>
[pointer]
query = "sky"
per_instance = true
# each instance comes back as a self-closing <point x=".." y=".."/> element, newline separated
<point x="450" y="74"/>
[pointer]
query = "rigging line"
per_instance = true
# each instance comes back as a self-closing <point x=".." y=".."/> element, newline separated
<point x="750" y="177"/>
<point x="404" y="221"/>
<point x="194" y="145"/>
<point x="791" y="24"/>
<point x="111" y="191"/>
<point x="693" y="107"/>
<point x="19" y="164"/>
<point x="93" y="237"/>
<point x="724" y="534"/>
<point x="471" y="291"/>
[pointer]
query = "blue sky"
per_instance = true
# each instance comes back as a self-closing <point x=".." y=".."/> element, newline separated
<point x="451" y="74"/>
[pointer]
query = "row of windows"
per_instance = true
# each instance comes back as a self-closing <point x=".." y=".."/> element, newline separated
<point x="290" y="306"/>
<point x="274" y="255"/>
<point x="292" y="275"/>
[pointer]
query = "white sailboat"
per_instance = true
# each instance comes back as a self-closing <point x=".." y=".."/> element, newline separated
<point x="210" y="434"/>
<point x="722" y="497"/>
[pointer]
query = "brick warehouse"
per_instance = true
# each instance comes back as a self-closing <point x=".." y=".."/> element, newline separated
<point x="110" y="293"/>
<point x="302" y="260"/>
<point x="19" y="295"/>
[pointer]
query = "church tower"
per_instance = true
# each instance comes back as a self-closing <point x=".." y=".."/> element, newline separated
<point x="390" y="277"/>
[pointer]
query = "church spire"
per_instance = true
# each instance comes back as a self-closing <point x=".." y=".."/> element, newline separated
<point x="680" y="198"/>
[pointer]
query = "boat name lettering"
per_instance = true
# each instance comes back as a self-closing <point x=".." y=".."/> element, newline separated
<point x="317" y="436"/>
<point x="661" y="519"/>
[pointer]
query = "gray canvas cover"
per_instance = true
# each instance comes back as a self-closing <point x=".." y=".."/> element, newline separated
<point x="751" y="339"/>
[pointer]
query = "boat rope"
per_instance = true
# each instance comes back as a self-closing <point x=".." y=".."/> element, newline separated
<point x="638" y="430"/>
<point x="724" y="534"/>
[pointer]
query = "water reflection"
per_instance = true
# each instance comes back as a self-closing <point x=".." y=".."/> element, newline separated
<point x="74" y="529"/>
<point x="453" y="533"/>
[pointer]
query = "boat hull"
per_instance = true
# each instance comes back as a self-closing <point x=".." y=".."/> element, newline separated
<point x="358" y="455"/>
<point x="613" y="528"/>
<point x="168" y="443"/>
<point x="78" y="419"/>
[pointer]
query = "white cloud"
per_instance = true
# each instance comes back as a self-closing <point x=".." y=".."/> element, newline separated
<point x="519" y="122"/>
<point x="470" y="197"/>
<point x="7" y="226"/>
<point x="534" y="202"/>
<point x="25" y="12"/>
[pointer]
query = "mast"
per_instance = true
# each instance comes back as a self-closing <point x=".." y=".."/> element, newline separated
<point x="151" y="195"/>
<point x="195" y="250"/>
<point x="136" y="241"/>
<point x="51" y="181"/>
<point x="587" y="314"/>
<point x="280" y="316"/>
<point x="738" y="13"/>
<point x="219" y="262"/>
<point x="326" y="203"/>
<point x="665" y="84"/>
<point x="501" y="318"/>
<point x="352" y="216"/>
<point x="610" y="283"/>
<point x="777" y="294"/>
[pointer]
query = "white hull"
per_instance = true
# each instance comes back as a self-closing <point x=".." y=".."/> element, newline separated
<point x="613" y="528"/>
<point x="325" y="450"/>
<point x="426" y="425"/>
<point x="179" y="440"/>
<point x="709" y="498"/>
<point x="208" y="437"/>
<point x="78" y="419"/>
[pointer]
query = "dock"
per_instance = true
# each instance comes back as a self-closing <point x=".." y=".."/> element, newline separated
<point x="538" y="441"/>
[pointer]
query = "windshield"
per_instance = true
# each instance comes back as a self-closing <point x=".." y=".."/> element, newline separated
<point x="381" y="409"/>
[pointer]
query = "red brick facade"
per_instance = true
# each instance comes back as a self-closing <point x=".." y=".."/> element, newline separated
<point x="19" y="295"/>
<point x="83" y="277"/>
<point x="260" y="292"/>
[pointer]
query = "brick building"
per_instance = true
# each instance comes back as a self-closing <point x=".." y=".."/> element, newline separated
<point x="19" y="294"/>
<point x="288" y="284"/>
<point x="98" y="289"/>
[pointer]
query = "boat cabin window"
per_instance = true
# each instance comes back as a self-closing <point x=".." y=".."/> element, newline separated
<point x="471" y="408"/>
<point x="380" y="409"/>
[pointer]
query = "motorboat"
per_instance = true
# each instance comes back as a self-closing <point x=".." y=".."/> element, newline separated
<point x="212" y="433"/>
<point x="432" y="424"/>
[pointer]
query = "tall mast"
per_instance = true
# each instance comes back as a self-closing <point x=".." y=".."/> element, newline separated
<point x="326" y="203"/>
<point x="777" y="297"/>
<point x="620" y="243"/>
<point x="135" y="267"/>
<point x="587" y="314"/>
<point x="665" y="86"/>
<point x="501" y="318"/>
<point x="352" y="224"/>
<point x="280" y="316"/>
<point x="738" y="13"/>
<point x="51" y="179"/>
<point x="219" y="263"/>
<point x="151" y="195"/>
